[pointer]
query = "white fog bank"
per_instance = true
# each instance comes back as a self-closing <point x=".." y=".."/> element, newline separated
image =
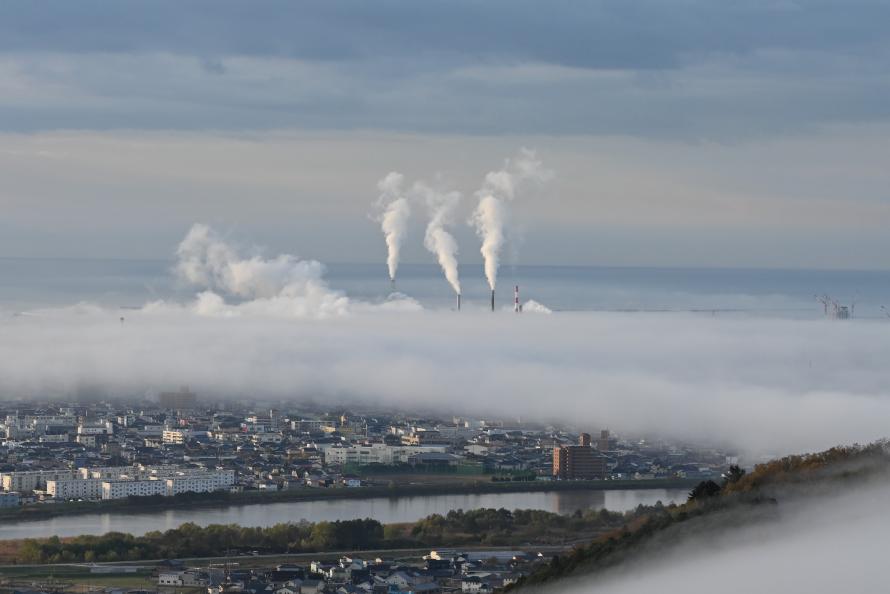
<point x="765" y="385"/>
<point x="824" y="546"/>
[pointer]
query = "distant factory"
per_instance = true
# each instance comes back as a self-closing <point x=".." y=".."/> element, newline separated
<point x="834" y="310"/>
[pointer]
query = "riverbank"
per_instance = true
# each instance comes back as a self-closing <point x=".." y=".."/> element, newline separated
<point x="44" y="511"/>
<point x="484" y="527"/>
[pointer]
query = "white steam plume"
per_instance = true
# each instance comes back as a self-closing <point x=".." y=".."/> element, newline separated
<point x="283" y="286"/>
<point x="437" y="238"/>
<point x="490" y="216"/>
<point x="393" y="219"/>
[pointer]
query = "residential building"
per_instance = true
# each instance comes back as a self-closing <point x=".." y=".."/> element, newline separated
<point x="30" y="480"/>
<point x="175" y="436"/>
<point x="121" y="489"/>
<point x="75" y="489"/>
<point x="579" y="462"/>
<point x="205" y="482"/>
<point x="375" y="453"/>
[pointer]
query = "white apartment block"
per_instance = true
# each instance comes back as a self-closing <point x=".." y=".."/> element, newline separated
<point x="266" y="438"/>
<point x="201" y="483"/>
<point x="106" y="472"/>
<point x="189" y="481"/>
<point x="162" y="470"/>
<point x="103" y="429"/>
<point x="86" y="440"/>
<point x="122" y="489"/>
<point x="75" y="489"/>
<point x="375" y="453"/>
<point x="115" y="482"/>
<point x="29" y="480"/>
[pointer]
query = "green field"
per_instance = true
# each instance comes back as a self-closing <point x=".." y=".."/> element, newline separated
<point x="72" y="578"/>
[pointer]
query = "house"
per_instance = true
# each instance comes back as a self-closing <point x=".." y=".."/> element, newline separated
<point x="312" y="587"/>
<point x="474" y="584"/>
<point x="425" y="588"/>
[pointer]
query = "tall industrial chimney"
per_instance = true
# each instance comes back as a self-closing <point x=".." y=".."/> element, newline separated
<point x="516" y="307"/>
<point x="458" y="302"/>
<point x="492" y="300"/>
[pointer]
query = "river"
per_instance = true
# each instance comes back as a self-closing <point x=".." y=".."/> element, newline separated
<point x="383" y="509"/>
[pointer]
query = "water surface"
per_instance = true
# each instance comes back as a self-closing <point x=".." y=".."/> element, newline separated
<point x="383" y="509"/>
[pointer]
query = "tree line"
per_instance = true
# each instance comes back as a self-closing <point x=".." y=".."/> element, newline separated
<point x="739" y="498"/>
<point x="458" y="527"/>
<point x="191" y="540"/>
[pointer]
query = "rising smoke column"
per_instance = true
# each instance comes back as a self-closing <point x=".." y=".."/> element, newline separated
<point x="281" y="286"/>
<point x="490" y="216"/>
<point x="437" y="239"/>
<point x="393" y="218"/>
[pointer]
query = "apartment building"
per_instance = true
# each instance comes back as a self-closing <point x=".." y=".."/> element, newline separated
<point x="122" y="489"/>
<point x="579" y="462"/>
<point x="375" y="453"/>
<point x="175" y="436"/>
<point x="31" y="480"/>
<point x="200" y="483"/>
<point x="75" y="489"/>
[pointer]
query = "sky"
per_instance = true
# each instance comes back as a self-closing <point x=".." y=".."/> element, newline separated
<point x="679" y="133"/>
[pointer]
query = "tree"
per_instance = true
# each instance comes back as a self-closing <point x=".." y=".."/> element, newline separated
<point x="704" y="490"/>
<point x="733" y="475"/>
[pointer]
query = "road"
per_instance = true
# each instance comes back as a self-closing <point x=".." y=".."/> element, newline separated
<point x="392" y="553"/>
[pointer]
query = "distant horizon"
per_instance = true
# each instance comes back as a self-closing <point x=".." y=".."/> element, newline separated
<point x="382" y="265"/>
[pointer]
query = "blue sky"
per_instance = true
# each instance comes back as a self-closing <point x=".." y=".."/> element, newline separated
<point x="755" y="128"/>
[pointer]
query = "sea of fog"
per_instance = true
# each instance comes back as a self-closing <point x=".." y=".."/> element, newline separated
<point x="37" y="283"/>
<point x="737" y="357"/>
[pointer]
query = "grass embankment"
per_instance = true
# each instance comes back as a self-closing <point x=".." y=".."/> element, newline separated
<point x="412" y="486"/>
<point x="742" y="499"/>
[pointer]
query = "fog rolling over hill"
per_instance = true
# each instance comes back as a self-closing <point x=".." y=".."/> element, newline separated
<point x="828" y="545"/>
<point x="816" y="530"/>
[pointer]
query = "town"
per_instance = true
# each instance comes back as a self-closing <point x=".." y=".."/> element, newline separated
<point x="439" y="571"/>
<point x="176" y="445"/>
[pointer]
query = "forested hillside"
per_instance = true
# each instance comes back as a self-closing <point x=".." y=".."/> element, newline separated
<point x="739" y="499"/>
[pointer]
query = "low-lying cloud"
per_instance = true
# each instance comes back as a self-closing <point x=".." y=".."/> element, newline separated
<point x="798" y="552"/>
<point x="271" y="327"/>
<point x="763" y="385"/>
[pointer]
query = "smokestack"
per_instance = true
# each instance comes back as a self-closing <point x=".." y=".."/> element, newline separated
<point x="458" y="302"/>
<point x="516" y="307"/>
<point x="492" y="300"/>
